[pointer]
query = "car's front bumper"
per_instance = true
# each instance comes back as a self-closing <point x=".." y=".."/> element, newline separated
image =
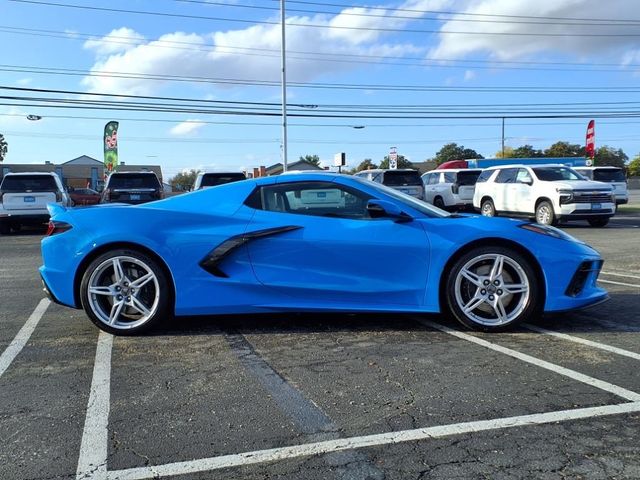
<point x="585" y="211"/>
<point x="576" y="287"/>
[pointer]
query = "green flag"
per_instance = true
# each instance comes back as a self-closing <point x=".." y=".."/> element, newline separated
<point x="110" y="147"/>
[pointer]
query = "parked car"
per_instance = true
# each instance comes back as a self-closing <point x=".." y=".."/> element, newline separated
<point x="24" y="198"/>
<point x="132" y="187"/>
<point x="84" y="196"/>
<point x="405" y="180"/>
<point x="309" y="242"/>
<point x="213" y="179"/>
<point x="611" y="175"/>
<point x="548" y="193"/>
<point x="451" y="189"/>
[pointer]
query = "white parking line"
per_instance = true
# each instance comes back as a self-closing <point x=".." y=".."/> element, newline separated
<point x="571" y="338"/>
<point x="21" y="339"/>
<point x="377" y="440"/>
<point x="92" y="463"/>
<point x="618" y="283"/>
<point x="594" y="382"/>
<point x="621" y="275"/>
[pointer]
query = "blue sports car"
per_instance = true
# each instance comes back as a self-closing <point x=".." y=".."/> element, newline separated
<point x="309" y="242"/>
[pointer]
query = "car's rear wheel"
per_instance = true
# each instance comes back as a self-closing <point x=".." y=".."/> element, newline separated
<point x="125" y="292"/>
<point x="598" y="222"/>
<point x="438" y="202"/>
<point x="545" y="214"/>
<point x="492" y="288"/>
<point x="487" y="208"/>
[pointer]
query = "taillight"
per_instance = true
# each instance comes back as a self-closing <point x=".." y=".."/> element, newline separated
<point x="455" y="188"/>
<point x="56" y="227"/>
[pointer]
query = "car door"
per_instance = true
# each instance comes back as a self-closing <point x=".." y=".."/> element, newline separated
<point x="330" y="250"/>
<point x="521" y="196"/>
<point x="504" y="193"/>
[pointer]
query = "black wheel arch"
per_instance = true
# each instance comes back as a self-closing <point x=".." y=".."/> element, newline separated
<point x="489" y="242"/>
<point x="77" y="280"/>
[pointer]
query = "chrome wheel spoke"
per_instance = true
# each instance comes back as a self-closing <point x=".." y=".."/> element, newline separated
<point x="139" y="306"/>
<point x="516" y="287"/>
<point x="100" y="290"/>
<point x="117" y="270"/>
<point x="474" y="303"/>
<point x="496" y="270"/>
<point x="501" y="312"/>
<point x="142" y="281"/>
<point x="472" y="277"/>
<point x="116" y="309"/>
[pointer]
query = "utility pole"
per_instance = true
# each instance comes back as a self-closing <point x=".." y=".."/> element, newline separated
<point x="502" y="137"/>
<point x="284" y="87"/>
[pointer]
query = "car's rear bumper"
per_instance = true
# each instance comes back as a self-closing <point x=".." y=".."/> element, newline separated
<point x="34" y="217"/>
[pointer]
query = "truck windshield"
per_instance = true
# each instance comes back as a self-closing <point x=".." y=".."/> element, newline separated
<point x="468" y="178"/>
<point x="553" y="174"/>
<point x="213" y="179"/>
<point x="608" y="175"/>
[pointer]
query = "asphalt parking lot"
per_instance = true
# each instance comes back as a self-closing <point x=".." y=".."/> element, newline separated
<point x="322" y="396"/>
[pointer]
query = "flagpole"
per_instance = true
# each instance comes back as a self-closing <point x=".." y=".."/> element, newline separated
<point x="284" y="87"/>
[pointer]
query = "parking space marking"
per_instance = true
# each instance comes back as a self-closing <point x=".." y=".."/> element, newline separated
<point x="618" y="283"/>
<point x="21" y="339"/>
<point x="615" y="274"/>
<point x="375" y="440"/>
<point x="92" y="462"/>
<point x="583" y="341"/>
<point x="594" y="382"/>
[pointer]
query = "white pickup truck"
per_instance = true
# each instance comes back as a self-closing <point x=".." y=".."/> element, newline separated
<point x="548" y="193"/>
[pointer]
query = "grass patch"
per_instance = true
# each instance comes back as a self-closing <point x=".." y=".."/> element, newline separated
<point x="629" y="209"/>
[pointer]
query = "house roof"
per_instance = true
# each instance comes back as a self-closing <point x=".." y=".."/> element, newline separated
<point x="83" y="160"/>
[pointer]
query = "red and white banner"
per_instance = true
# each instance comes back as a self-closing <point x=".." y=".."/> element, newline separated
<point x="591" y="139"/>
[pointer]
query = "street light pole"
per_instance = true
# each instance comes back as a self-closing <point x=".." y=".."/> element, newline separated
<point x="284" y="87"/>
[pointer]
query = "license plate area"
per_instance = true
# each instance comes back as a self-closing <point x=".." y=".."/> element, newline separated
<point x="596" y="206"/>
<point x="29" y="199"/>
<point x="135" y="196"/>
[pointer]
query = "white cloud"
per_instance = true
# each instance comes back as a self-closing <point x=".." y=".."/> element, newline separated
<point x="24" y="81"/>
<point x="469" y="75"/>
<point x="561" y="38"/>
<point x="216" y="54"/>
<point x="186" y="128"/>
<point x="118" y="40"/>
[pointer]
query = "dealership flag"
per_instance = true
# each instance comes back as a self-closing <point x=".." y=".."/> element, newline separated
<point x="591" y="139"/>
<point x="110" y="147"/>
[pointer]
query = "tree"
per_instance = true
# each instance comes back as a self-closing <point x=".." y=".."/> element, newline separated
<point x="565" y="149"/>
<point x="402" y="162"/>
<point x="508" y="152"/>
<point x="453" y="151"/>
<point x="4" y="148"/>
<point x="634" y="167"/>
<point x="366" y="164"/>
<point x="313" y="159"/>
<point x="527" y="151"/>
<point x="610" y="156"/>
<point x="184" y="181"/>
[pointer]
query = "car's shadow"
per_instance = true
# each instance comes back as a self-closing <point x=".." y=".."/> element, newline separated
<point x="617" y="315"/>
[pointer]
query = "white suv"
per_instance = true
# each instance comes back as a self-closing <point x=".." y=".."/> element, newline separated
<point x="549" y="193"/>
<point x="24" y="198"/>
<point x="451" y="188"/>
<point x="611" y="175"/>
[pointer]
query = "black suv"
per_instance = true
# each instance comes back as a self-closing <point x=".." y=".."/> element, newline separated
<point x="131" y="187"/>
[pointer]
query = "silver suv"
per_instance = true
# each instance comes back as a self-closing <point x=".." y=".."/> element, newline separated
<point x="451" y="188"/>
<point x="405" y="180"/>
<point x="24" y="198"/>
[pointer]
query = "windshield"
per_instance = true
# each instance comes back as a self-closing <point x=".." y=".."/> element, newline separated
<point x="609" y="175"/>
<point x="468" y="178"/>
<point x="554" y="174"/>
<point x="422" y="207"/>
<point x="133" y="181"/>
<point x="213" y="179"/>
<point x="397" y="178"/>
<point x="30" y="183"/>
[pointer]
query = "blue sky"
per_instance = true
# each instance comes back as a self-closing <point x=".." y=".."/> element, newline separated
<point x="477" y="58"/>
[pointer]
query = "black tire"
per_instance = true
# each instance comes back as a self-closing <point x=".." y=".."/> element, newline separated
<point x="126" y="301"/>
<point x="484" y="301"/>
<point x="598" y="222"/>
<point x="545" y="214"/>
<point x="438" y="202"/>
<point x="488" y="209"/>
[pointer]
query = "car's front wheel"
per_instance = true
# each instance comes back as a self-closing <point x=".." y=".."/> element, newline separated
<point x="545" y="214"/>
<point x="487" y="208"/>
<point x="125" y="292"/>
<point x="492" y="288"/>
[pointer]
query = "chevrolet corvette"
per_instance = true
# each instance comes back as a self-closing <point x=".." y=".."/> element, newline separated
<point x="308" y="242"/>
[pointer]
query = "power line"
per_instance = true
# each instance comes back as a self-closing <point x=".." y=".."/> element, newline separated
<point x="314" y="25"/>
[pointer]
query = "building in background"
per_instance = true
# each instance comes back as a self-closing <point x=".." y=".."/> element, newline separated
<point x="80" y="172"/>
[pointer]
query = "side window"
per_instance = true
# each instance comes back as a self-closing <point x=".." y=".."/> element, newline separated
<point x="484" y="176"/>
<point x="425" y="178"/>
<point x="523" y="176"/>
<point x="449" y="177"/>
<point x="324" y="199"/>
<point x="507" y="175"/>
<point x="434" y="179"/>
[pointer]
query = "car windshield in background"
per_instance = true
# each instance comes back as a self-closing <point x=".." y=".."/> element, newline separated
<point x="133" y="181"/>
<point x="609" y="175"/>
<point x="397" y="178"/>
<point x="212" y="179"/>
<point x="553" y="174"/>
<point x="29" y="183"/>
<point x="468" y="178"/>
<point x="425" y="208"/>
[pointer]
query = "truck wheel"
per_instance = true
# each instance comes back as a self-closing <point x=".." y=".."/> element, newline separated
<point x="437" y="202"/>
<point x="545" y="214"/>
<point x="488" y="209"/>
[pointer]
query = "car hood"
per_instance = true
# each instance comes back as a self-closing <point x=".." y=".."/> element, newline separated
<point x="582" y="185"/>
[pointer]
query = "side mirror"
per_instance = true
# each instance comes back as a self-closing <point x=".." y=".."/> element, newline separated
<point x="384" y="209"/>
